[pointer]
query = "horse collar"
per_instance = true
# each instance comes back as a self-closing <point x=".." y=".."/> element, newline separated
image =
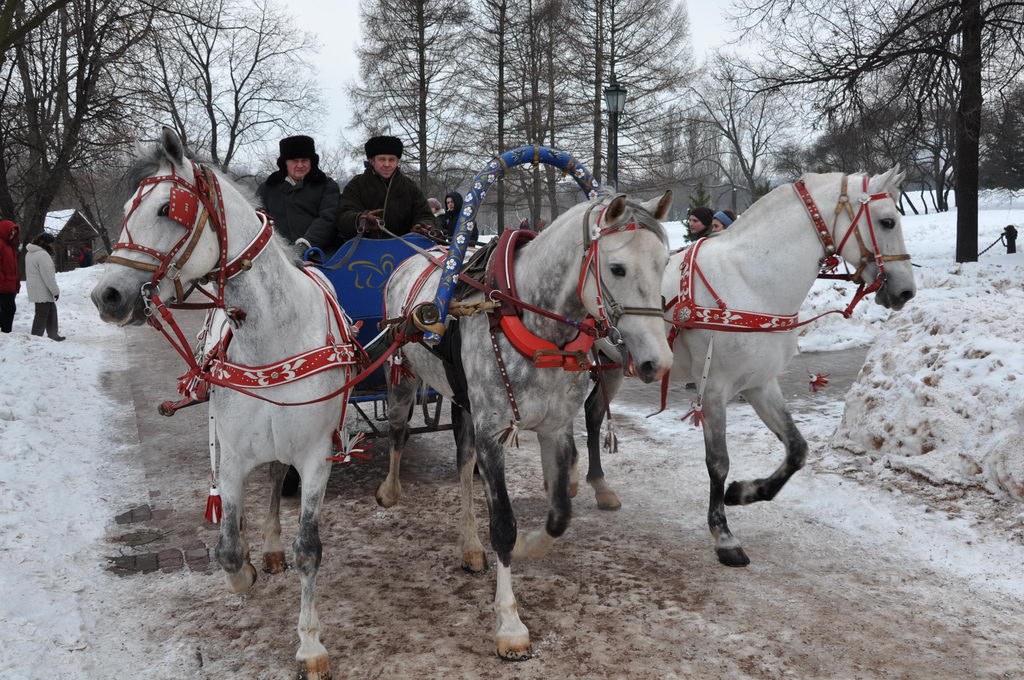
<point x="543" y="353"/>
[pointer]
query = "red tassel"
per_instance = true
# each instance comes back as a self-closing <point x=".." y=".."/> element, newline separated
<point x="698" y="416"/>
<point x="214" y="513"/>
<point x="818" y="380"/>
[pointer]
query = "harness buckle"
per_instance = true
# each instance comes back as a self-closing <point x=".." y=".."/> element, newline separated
<point x="614" y="336"/>
<point x="147" y="290"/>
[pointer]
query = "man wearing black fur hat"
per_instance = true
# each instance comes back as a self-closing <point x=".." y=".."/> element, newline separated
<point x="302" y="200"/>
<point x="383" y="197"/>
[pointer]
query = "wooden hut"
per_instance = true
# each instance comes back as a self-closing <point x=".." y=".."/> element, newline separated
<point x="73" y="234"/>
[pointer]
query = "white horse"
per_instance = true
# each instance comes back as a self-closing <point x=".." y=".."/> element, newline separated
<point x="549" y="273"/>
<point x="275" y="295"/>
<point x="764" y="263"/>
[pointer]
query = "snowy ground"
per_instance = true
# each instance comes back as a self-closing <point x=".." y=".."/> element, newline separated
<point x="918" y="469"/>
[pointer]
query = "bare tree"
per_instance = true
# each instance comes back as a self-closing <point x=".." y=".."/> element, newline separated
<point x="233" y="81"/>
<point x="409" y="59"/>
<point x="843" y="48"/>
<point x="63" y="107"/>
<point x="28" y="19"/>
<point x="752" y="124"/>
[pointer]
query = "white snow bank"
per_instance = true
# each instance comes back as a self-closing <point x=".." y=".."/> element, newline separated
<point x="57" y="484"/>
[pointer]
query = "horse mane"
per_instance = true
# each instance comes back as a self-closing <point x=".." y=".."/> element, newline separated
<point x="148" y="161"/>
<point x="641" y="216"/>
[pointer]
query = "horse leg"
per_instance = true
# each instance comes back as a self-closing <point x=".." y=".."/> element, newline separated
<point x="727" y="546"/>
<point x="594" y="410"/>
<point x="312" y="655"/>
<point x="472" y="551"/>
<point x="556" y="453"/>
<point x="771" y="408"/>
<point x="511" y="637"/>
<point x="232" y="550"/>
<point x="401" y="398"/>
<point x="273" y="549"/>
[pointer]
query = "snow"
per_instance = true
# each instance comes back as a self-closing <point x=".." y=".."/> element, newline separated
<point x="938" y="399"/>
<point x="56" y="220"/>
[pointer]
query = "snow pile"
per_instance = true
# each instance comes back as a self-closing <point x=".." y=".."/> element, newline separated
<point x="55" y="477"/>
<point x="940" y="394"/>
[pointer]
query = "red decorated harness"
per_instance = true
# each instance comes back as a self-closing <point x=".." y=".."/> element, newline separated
<point x="195" y="206"/>
<point x="684" y="312"/>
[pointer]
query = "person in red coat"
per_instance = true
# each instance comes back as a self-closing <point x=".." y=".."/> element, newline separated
<point x="10" y="283"/>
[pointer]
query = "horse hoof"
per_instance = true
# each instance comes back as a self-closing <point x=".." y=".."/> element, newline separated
<point x="274" y="562"/>
<point x="474" y="562"/>
<point x="734" y="494"/>
<point x="242" y="580"/>
<point x="315" y="669"/>
<point x="515" y="648"/>
<point x="574" y="487"/>
<point x="386" y="497"/>
<point x="607" y="500"/>
<point x="732" y="557"/>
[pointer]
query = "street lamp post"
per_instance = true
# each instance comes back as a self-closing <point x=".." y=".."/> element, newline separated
<point x="615" y="100"/>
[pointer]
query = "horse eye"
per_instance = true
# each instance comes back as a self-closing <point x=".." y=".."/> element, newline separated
<point x="887" y="223"/>
<point x="164" y="210"/>
<point x="618" y="270"/>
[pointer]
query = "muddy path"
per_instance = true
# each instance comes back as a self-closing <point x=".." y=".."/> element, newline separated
<point x="846" y="581"/>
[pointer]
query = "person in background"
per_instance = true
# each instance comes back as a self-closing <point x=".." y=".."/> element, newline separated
<point x="699" y="223"/>
<point x="85" y="256"/>
<point x="722" y="220"/>
<point x="383" y="197"/>
<point x="41" y="280"/>
<point x="302" y="200"/>
<point x="10" y="282"/>
<point x="452" y="208"/>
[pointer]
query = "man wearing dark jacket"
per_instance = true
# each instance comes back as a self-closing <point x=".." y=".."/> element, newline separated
<point x="383" y="197"/>
<point x="302" y="200"/>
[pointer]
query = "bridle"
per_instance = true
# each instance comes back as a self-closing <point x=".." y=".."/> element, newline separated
<point x="830" y="261"/>
<point x="183" y="207"/>
<point x="609" y="311"/>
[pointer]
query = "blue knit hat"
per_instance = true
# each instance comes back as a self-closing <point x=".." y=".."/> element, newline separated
<point x="723" y="218"/>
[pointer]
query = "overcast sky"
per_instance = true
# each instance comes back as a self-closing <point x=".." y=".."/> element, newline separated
<point x="338" y="30"/>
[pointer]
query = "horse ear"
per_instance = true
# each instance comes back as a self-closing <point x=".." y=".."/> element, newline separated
<point x="890" y="178"/>
<point x="172" y="146"/>
<point x="661" y="208"/>
<point x="616" y="209"/>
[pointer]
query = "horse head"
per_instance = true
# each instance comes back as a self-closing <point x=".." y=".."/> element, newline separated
<point x="620" y="284"/>
<point x="172" y="236"/>
<point x="877" y="240"/>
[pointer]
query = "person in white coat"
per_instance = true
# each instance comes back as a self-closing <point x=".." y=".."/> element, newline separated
<point x="42" y="286"/>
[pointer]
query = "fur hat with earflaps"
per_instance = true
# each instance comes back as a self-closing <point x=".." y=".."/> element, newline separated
<point x="299" y="146"/>
<point x="386" y="145"/>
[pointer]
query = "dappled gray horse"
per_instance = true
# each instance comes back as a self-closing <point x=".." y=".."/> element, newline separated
<point x="504" y="391"/>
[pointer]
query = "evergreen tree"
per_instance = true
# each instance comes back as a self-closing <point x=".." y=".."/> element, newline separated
<point x="699" y="196"/>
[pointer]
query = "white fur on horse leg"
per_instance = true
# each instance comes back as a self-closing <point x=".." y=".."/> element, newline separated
<point x="533" y="545"/>
<point x="314" y="663"/>
<point x="607" y="499"/>
<point x="574" y="478"/>
<point x="512" y="637"/>
<point x="232" y="550"/>
<point x="390" y="490"/>
<point x="474" y="560"/>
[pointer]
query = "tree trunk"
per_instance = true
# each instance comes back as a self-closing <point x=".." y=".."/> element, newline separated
<point x="422" y="75"/>
<point x="502" y="26"/>
<point x="968" y="134"/>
